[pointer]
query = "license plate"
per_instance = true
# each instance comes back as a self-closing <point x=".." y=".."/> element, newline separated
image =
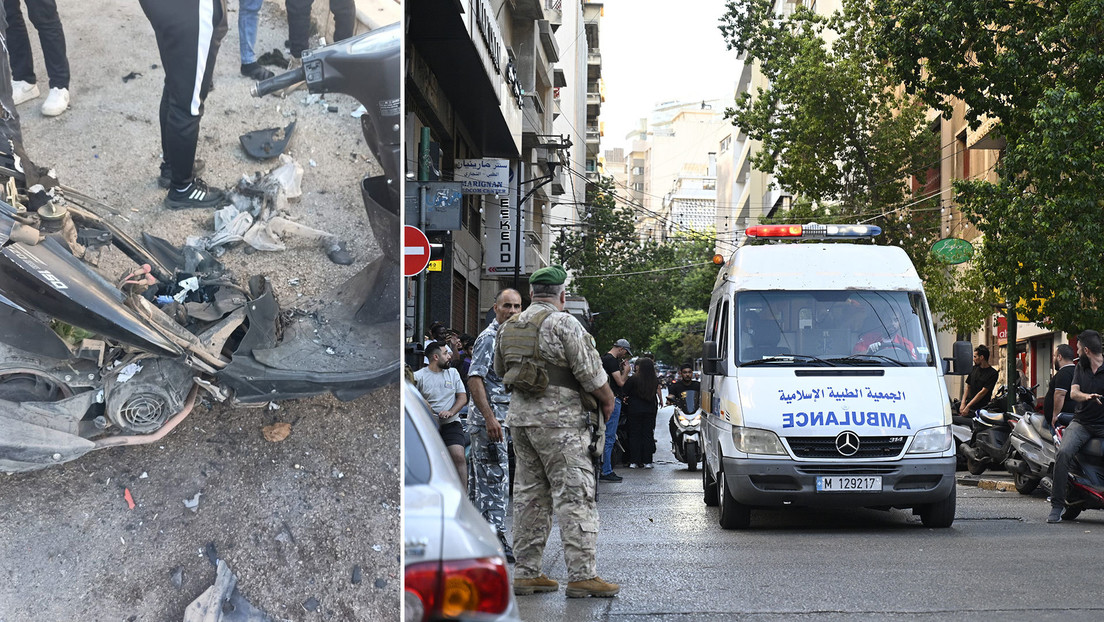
<point x="848" y="483"/>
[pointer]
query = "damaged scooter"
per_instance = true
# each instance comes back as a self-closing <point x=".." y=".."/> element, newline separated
<point x="87" y="363"/>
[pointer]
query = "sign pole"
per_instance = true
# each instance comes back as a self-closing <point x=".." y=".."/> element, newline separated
<point x="423" y="175"/>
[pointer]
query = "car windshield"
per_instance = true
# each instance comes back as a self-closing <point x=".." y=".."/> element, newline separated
<point x="836" y="328"/>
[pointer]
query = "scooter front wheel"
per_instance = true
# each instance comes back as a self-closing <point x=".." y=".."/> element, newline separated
<point x="1025" y="484"/>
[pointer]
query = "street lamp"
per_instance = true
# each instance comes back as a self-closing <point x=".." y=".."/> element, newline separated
<point x="556" y="143"/>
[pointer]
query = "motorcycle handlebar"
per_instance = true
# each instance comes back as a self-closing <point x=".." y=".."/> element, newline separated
<point x="276" y="83"/>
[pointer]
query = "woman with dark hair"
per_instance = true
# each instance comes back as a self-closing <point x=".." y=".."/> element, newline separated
<point x="643" y="396"/>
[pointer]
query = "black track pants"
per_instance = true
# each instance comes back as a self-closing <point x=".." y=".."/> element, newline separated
<point x="188" y="36"/>
<point x="298" y="14"/>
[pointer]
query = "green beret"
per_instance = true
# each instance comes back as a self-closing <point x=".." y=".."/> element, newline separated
<point x="551" y="275"/>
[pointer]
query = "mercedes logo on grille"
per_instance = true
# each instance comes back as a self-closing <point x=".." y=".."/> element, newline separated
<point x="847" y="443"/>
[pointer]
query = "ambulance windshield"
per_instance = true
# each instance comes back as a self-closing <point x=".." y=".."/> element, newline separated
<point x="849" y="327"/>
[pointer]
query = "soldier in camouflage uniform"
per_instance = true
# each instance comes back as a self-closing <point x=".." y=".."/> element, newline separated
<point x="489" y="464"/>
<point x="551" y="434"/>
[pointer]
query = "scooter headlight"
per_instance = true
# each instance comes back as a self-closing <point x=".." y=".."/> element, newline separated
<point x="755" y="441"/>
<point x="688" y="420"/>
<point x="931" y="440"/>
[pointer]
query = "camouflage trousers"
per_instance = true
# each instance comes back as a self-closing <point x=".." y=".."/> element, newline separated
<point x="489" y="479"/>
<point x="554" y="473"/>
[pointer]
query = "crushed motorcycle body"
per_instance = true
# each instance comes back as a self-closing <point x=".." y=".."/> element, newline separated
<point x="87" y="364"/>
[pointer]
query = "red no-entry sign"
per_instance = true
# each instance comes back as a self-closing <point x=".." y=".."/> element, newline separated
<point x="415" y="251"/>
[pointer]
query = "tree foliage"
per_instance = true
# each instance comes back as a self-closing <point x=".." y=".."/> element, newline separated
<point x="682" y="337"/>
<point x="629" y="284"/>
<point x="1036" y="67"/>
<point x="839" y="133"/>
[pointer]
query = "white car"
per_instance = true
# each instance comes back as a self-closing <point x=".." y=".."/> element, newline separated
<point x="455" y="566"/>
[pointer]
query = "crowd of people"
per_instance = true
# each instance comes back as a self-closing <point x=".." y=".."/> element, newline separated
<point x="188" y="34"/>
<point x="532" y="385"/>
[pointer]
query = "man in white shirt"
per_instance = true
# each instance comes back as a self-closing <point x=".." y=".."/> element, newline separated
<point x="442" y="388"/>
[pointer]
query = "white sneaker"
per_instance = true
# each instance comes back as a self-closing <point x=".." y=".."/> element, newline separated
<point x="56" y="102"/>
<point x="632" y="465"/>
<point x="648" y="465"/>
<point x="23" y="91"/>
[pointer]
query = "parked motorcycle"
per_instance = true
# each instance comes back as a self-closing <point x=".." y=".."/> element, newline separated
<point x="86" y="363"/>
<point x="684" y="419"/>
<point x="991" y="429"/>
<point x="1034" y="451"/>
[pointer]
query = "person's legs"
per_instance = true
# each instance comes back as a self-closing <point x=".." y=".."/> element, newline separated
<point x="532" y="506"/>
<point x="344" y="12"/>
<point x="611" y="437"/>
<point x="19" y="44"/>
<point x="44" y="15"/>
<point x="456" y="452"/>
<point x="298" y="16"/>
<point x="571" y="478"/>
<point x="248" y="17"/>
<point x="488" y="481"/>
<point x="1073" y="439"/>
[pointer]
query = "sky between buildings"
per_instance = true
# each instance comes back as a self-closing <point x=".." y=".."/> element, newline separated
<point x="655" y="51"/>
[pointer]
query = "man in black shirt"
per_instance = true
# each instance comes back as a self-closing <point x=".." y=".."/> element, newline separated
<point x="676" y="391"/>
<point x="1088" y="419"/>
<point x="617" y="368"/>
<point x="979" y="384"/>
<point x="1057" y="399"/>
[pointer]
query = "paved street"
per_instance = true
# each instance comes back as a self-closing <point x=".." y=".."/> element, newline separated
<point x="674" y="562"/>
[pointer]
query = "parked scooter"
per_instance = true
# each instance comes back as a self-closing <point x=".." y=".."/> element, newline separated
<point x="1034" y="451"/>
<point x="1085" y="490"/>
<point x="684" y="419"/>
<point x="87" y="364"/>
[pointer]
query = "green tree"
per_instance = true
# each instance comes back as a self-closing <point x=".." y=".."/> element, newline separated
<point x="633" y="287"/>
<point x="670" y="342"/>
<point x="838" y="132"/>
<point x="1036" y="68"/>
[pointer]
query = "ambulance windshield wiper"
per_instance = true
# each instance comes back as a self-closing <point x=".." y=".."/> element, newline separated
<point x="859" y="359"/>
<point x="789" y="358"/>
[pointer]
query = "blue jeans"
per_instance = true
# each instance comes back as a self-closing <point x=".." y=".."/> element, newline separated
<point x="247" y="29"/>
<point x="611" y="437"/>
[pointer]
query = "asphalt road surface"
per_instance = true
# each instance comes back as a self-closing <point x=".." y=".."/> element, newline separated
<point x="1000" y="560"/>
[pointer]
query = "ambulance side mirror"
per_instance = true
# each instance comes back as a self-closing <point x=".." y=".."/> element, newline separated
<point x="711" y="363"/>
<point x="962" y="360"/>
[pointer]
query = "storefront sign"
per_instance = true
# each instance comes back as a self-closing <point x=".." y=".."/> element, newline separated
<point x="483" y="176"/>
<point x="500" y="234"/>
<point x="952" y="250"/>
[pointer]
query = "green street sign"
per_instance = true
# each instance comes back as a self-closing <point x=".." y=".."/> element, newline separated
<point x="953" y="250"/>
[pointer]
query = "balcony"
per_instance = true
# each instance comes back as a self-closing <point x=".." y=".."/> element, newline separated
<point x="553" y="12"/>
<point x="594" y="65"/>
<point x="594" y="104"/>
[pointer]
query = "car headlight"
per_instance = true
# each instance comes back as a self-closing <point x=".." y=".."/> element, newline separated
<point x="755" y="441"/>
<point x="931" y="440"/>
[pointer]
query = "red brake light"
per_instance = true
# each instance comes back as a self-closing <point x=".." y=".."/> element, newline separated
<point x="462" y="586"/>
<point x="774" y="231"/>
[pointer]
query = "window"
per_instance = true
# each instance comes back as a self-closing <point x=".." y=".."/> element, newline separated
<point x="833" y="325"/>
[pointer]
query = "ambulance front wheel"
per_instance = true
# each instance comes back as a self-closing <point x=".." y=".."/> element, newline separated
<point x="734" y="515"/>
<point x="939" y="514"/>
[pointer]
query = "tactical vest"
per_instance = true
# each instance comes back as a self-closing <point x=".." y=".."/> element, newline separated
<point x="526" y="371"/>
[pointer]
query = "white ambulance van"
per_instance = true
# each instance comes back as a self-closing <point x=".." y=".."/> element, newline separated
<point x="821" y="380"/>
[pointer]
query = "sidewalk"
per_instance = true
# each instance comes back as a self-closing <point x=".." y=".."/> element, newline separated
<point x="987" y="481"/>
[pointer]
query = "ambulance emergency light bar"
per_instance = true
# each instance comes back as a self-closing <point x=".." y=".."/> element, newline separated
<point x="813" y="231"/>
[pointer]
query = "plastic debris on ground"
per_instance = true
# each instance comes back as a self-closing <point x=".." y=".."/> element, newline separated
<point x="257" y="216"/>
<point x="193" y="503"/>
<point x="222" y="602"/>
<point x="128" y="372"/>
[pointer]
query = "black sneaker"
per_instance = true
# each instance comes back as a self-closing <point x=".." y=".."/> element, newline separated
<point x="1056" y="514"/>
<point x="195" y="195"/>
<point x="256" y="71"/>
<point x="610" y="477"/>
<point x="165" y="180"/>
